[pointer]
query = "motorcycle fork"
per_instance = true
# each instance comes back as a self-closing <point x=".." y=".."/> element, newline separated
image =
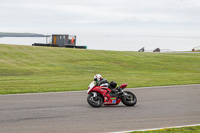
<point x="94" y="94"/>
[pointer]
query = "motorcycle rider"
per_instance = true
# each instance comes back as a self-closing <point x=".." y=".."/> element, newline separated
<point x="115" y="90"/>
<point x="100" y="81"/>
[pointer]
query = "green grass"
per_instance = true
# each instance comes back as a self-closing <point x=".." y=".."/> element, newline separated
<point x="192" y="129"/>
<point x="27" y="69"/>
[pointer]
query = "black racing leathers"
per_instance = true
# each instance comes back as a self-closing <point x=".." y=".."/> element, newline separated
<point x="113" y="90"/>
<point x="102" y="81"/>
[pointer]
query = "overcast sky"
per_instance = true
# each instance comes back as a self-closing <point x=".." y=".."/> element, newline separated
<point x="71" y="16"/>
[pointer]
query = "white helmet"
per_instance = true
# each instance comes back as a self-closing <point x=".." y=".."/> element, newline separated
<point x="97" y="77"/>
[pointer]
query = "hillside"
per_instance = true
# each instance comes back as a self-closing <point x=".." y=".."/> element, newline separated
<point x="26" y="69"/>
<point x="5" y="34"/>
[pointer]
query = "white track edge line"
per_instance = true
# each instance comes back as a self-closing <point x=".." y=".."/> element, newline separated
<point x="151" y="129"/>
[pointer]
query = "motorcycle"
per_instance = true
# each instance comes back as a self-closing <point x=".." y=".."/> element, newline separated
<point x="98" y="95"/>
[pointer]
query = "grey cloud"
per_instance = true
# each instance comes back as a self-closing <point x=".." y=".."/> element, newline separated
<point x="98" y="13"/>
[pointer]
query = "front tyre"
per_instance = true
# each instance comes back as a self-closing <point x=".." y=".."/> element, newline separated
<point x="129" y="99"/>
<point x="95" y="101"/>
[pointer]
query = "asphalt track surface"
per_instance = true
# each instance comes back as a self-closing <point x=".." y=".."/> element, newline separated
<point x="69" y="112"/>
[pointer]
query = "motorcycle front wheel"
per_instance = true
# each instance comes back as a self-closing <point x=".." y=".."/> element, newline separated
<point x="95" y="101"/>
<point x="129" y="99"/>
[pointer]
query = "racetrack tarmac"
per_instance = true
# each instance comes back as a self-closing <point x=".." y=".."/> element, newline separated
<point x="69" y="112"/>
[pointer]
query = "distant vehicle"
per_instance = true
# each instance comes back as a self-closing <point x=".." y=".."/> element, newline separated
<point x="157" y="50"/>
<point x="141" y="50"/>
<point x="98" y="95"/>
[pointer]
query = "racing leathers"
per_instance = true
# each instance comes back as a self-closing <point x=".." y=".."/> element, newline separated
<point x="102" y="82"/>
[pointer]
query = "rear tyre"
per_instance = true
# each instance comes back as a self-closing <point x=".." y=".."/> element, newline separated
<point x="95" y="101"/>
<point x="129" y="99"/>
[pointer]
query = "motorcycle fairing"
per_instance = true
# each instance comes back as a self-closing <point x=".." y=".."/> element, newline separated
<point x="123" y="85"/>
<point x="105" y="92"/>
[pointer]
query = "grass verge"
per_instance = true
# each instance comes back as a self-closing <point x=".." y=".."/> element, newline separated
<point x="27" y="69"/>
<point x="192" y="129"/>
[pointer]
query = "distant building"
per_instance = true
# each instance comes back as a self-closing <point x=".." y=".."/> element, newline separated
<point x="61" y="40"/>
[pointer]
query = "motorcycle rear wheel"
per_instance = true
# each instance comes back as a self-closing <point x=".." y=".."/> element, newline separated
<point x="95" y="101"/>
<point x="130" y="99"/>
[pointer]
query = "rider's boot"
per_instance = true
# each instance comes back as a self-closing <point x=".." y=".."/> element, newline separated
<point x="114" y="93"/>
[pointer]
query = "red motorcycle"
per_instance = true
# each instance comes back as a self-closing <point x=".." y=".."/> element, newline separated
<point x="99" y="95"/>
